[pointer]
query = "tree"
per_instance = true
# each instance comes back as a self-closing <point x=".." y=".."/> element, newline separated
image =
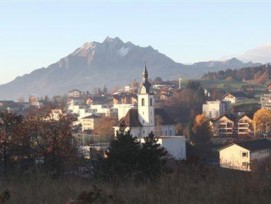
<point x="105" y="90"/>
<point x="201" y="130"/>
<point x="185" y="105"/>
<point x="52" y="140"/>
<point x="128" y="158"/>
<point x="105" y="127"/>
<point x="122" y="156"/>
<point x="152" y="158"/>
<point x="158" y="80"/>
<point x="262" y="121"/>
<point x="201" y="135"/>
<point x="10" y="137"/>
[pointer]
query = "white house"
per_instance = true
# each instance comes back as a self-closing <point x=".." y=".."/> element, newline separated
<point x="242" y="155"/>
<point x="144" y="119"/>
<point x="175" y="145"/>
<point x="266" y="101"/>
<point x="214" y="109"/>
<point x="234" y="97"/>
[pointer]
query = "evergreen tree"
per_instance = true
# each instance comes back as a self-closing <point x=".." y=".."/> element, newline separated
<point x="152" y="158"/>
<point x="123" y="155"/>
<point x="127" y="158"/>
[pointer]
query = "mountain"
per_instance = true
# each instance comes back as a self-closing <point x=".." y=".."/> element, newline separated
<point x="110" y="63"/>
<point x="259" y="54"/>
<point x="214" y="66"/>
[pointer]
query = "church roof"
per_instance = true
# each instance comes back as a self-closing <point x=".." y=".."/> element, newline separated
<point x="145" y="87"/>
<point x="130" y="119"/>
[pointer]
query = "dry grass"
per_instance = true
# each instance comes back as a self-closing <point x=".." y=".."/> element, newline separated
<point x="185" y="185"/>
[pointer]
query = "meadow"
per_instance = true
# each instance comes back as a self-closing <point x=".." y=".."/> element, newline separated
<point x="186" y="184"/>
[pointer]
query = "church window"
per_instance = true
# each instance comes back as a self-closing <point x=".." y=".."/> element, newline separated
<point x="142" y="102"/>
<point x="150" y="101"/>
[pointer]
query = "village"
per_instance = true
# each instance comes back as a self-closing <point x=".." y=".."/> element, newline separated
<point x="233" y="139"/>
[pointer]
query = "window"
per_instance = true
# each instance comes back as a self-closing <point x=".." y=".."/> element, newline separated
<point x="244" y="154"/>
<point x="245" y="164"/>
<point x="150" y="101"/>
<point x="142" y="102"/>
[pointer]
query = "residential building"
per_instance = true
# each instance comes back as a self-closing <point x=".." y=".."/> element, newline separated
<point x="234" y="97"/>
<point x="266" y="101"/>
<point x="243" y="155"/>
<point x="245" y="125"/>
<point x="90" y="122"/>
<point x="124" y="98"/>
<point x="75" y="93"/>
<point x="229" y="125"/>
<point x="214" y="109"/>
<point x="224" y="126"/>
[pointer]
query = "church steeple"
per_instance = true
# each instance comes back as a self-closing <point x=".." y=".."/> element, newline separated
<point x="145" y="102"/>
<point x="145" y="74"/>
<point x="145" y="87"/>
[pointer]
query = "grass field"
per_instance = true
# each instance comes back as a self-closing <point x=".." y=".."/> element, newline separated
<point x="193" y="184"/>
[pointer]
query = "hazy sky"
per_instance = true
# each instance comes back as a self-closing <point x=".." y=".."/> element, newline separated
<point x="37" y="33"/>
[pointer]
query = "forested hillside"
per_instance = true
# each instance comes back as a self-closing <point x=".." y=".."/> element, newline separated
<point x="259" y="74"/>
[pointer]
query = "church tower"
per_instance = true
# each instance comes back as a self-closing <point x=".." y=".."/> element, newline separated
<point x="146" y="105"/>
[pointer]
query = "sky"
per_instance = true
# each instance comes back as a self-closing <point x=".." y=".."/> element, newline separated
<point x="37" y="33"/>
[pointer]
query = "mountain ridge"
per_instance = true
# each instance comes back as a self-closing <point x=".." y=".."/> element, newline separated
<point x="111" y="63"/>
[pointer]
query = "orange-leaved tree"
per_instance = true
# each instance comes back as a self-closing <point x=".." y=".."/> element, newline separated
<point x="262" y="121"/>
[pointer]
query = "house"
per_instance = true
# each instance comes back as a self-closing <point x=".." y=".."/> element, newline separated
<point x="144" y="119"/>
<point x="234" y="97"/>
<point x="243" y="155"/>
<point x="266" y="101"/>
<point x="90" y="122"/>
<point x="97" y="100"/>
<point x="55" y="115"/>
<point x="228" y="125"/>
<point x="124" y="98"/>
<point x="175" y="146"/>
<point x="245" y="125"/>
<point x="214" y="109"/>
<point x="75" y="93"/>
<point x="223" y="126"/>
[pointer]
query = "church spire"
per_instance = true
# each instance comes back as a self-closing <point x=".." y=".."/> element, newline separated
<point x="145" y="74"/>
<point x="145" y="87"/>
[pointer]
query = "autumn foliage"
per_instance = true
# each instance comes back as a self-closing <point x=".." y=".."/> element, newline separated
<point x="262" y="121"/>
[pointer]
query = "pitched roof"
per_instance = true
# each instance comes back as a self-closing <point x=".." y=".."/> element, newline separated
<point x="91" y="116"/>
<point x="252" y="145"/>
<point x="124" y="94"/>
<point x="130" y="119"/>
<point x="256" y="144"/>
<point x="238" y="94"/>
<point x="249" y="115"/>
<point x="229" y="116"/>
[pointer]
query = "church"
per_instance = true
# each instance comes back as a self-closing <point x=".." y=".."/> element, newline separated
<point x="144" y="119"/>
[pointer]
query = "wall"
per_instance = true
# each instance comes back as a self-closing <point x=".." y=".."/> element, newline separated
<point x="232" y="157"/>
